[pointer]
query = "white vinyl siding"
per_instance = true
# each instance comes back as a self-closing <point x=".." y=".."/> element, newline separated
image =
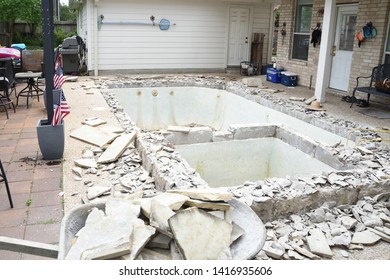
<point x="197" y="41"/>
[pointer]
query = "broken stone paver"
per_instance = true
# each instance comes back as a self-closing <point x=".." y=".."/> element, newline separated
<point x="140" y="237"/>
<point x="159" y="216"/>
<point x="365" y="238"/>
<point x="207" y="205"/>
<point x="98" y="232"/>
<point x="382" y="235"/>
<point x="116" y="149"/>
<point x="96" y="191"/>
<point x="304" y="251"/>
<point x="86" y="163"/>
<point x="93" y="136"/>
<point x="348" y="222"/>
<point x="206" y="242"/>
<point x="205" y="194"/>
<point x="318" y="245"/>
<point x="94" y="121"/>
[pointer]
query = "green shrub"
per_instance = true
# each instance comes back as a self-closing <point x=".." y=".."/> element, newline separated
<point x="60" y="35"/>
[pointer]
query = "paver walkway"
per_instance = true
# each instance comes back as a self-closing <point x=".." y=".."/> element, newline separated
<point x="35" y="183"/>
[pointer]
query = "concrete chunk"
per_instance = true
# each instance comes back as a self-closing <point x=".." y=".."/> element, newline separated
<point x="365" y="238"/>
<point x="318" y="244"/>
<point x="303" y="251"/>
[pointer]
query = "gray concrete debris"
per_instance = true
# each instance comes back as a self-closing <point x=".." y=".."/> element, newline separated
<point x="86" y="163"/>
<point x="366" y="237"/>
<point x="273" y="251"/>
<point x="96" y="191"/>
<point x="318" y="244"/>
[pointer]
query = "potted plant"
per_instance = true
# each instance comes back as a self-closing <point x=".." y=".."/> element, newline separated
<point x="51" y="138"/>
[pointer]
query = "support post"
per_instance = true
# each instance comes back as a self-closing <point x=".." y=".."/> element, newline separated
<point x="48" y="50"/>
<point x="324" y="61"/>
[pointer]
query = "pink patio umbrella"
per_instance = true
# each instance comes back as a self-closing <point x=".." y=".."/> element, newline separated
<point x="9" y="52"/>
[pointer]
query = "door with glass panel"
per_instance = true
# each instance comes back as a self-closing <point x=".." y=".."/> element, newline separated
<point x="343" y="47"/>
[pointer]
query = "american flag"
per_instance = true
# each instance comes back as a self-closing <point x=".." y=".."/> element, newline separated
<point x="60" y="110"/>
<point x="59" y="79"/>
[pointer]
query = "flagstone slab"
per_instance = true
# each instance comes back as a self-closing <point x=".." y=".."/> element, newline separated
<point x="140" y="237"/>
<point x="116" y="149"/>
<point x="207" y="205"/>
<point x="86" y="163"/>
<point x="94" y="122"/>
<point x="100" y="230"/>
<point x="205" y="194"/>
<point x="318" y="244"/>
<point x="159" y="216"/>
<point x="199" y="235"/>
<point x="93" y="135"/>
<point x="172" y="200"/>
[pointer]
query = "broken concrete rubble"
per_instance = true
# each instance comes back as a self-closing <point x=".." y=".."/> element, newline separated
<point x="197" y="233"/>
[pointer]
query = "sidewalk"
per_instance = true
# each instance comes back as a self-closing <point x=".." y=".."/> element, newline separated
<point x="35" y="183"/>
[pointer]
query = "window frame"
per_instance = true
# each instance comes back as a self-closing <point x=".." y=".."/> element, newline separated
<point x="387" y="42"/>
<point x="299" y="6"/>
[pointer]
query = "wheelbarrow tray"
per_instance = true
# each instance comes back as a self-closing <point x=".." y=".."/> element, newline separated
<point x="245" y="248"/>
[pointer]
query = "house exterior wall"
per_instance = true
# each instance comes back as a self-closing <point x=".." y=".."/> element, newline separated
<point x="198" y="40"/>
<point x="364" y="58"/>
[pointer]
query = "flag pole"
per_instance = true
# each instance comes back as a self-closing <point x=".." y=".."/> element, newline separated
<point x="48" y="50"/>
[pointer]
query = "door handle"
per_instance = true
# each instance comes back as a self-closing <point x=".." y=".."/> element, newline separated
<point x="333" y="51"/>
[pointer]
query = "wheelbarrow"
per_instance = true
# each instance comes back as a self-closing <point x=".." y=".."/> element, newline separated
<point x="245" y="248"/>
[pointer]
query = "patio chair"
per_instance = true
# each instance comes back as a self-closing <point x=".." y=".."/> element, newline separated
<point x="7" y="84"/>
<point x="3" y="178"/>
<point x="32" y="71"/>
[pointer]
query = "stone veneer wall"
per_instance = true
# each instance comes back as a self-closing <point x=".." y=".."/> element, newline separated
<point x="367" y="56"/>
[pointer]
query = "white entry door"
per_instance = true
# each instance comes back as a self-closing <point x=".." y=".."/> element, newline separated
<point x="343" y="47"/>
<point x="238" y="36"/>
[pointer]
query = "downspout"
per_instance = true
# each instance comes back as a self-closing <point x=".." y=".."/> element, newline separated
<point x="95" y="38"/>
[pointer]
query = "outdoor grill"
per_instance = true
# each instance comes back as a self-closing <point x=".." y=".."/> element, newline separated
<point x="72" y="53"/>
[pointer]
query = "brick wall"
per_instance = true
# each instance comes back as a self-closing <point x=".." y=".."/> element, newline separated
<point x="364" y="58"/>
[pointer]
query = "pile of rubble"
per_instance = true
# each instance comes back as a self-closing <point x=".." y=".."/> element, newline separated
<point x="316" y="234"/>
<point x="177" y="224"/>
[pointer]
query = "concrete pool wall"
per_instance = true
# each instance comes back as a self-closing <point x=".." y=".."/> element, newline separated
<point x="274" y="197"/>
<point x="159" y="108"/>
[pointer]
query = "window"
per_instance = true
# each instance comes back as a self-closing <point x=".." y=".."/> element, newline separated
<point x="387" y="47"/>
<point x="301" y="36"/>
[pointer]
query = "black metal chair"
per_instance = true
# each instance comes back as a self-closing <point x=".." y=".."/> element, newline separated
<point x="3" y="178"/>
<point x="7" y="84"/>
